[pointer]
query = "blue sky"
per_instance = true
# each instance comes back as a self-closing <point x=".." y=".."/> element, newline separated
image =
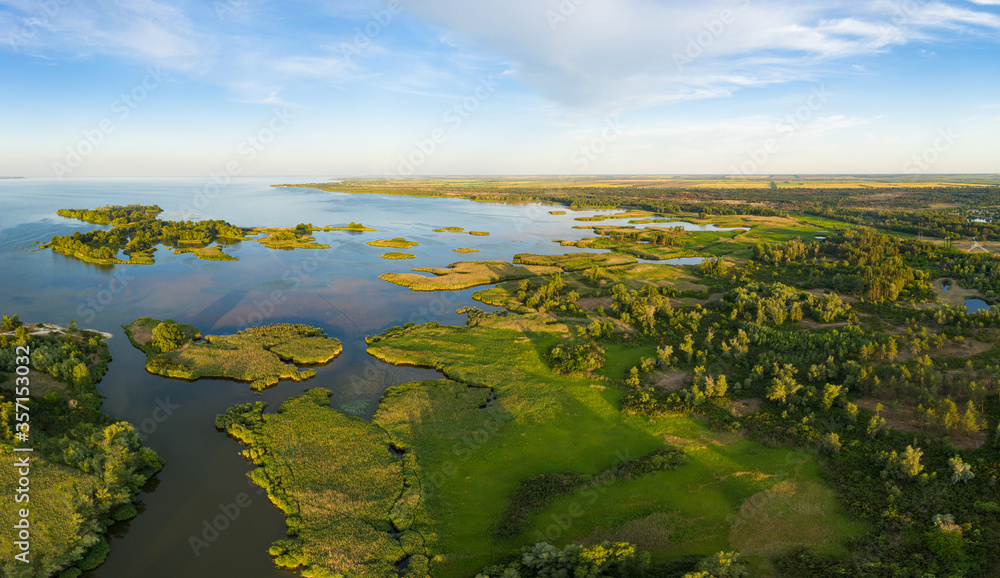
<point x="357" y="87"/>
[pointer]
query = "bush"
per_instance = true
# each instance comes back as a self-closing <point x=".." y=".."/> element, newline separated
<point x="96" y="556"/>
<point x="124" y="512"/>
<point x="945" y="545"/>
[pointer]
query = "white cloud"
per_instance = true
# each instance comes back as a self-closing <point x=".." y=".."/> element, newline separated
<point x="143" y="29"/>
<point x="624" y="53"/>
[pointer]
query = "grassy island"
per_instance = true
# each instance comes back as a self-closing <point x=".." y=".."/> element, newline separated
<point x="479" y="233"/>
<point x="397" y="243"/>
<point x="86" y="469"/>
<point x="288" y="239"/>
<point x="352" y="226"/>
<point x="465" y="250"/>
<point x="257" y="355"/>
<point x="463" y="275"/>
<point x="213" y="253"/>
<point x="397" y="255"/>
<point x="450" y="230"/>
<point x="136" y="231"/>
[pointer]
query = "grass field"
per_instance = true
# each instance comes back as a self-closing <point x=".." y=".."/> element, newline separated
<point x="476" y="187"/>
<point x="737" y="243"/>
<point x="254" y="355"/>
<point x="542" y="422"/>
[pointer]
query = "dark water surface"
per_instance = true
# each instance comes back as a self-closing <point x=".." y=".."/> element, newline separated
<point x="337" y="289"/>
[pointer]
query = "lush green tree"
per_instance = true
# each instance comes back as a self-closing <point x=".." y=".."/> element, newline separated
<point x="961" y="471"/>
<point x="909" y="463"/>
<point x="167" y="336"/>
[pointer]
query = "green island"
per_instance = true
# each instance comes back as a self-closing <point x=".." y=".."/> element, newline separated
<point x="352" y="226"/>
<point x="814" y="398"/>
<point x="465" y="250"/>
<point x="450" y="230"/>
<point x="136" y="230"/>
<point x="463" y="275"/>
<point x="288" y="239"/>
<point x="479" y="233"/>
<point x="395" y="255"/>
<point x="557" y="212"/>
<point x="396" y="243"/>
<point x="86" y="469"/>
<point x="262" y="356"/>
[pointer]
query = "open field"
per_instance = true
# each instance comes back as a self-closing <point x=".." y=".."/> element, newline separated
<point x="471" y="187"/>
<point x="538" y="422"/>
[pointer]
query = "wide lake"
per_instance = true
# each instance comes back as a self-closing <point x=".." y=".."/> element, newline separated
<point x="337" y="289"/>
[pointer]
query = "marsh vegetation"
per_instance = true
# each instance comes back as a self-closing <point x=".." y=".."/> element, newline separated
<point x="257" y="355"/>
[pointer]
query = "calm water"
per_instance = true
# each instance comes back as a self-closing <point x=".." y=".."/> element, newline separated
<point x="974" y="305"/>
<point x="337" y="289"/>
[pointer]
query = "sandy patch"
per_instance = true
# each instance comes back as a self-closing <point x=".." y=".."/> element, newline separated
<point x="956" y="295"/>
<point x="669" y="381"/>
<point x="592" y="303"/>
<point x="745" y="406"/>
